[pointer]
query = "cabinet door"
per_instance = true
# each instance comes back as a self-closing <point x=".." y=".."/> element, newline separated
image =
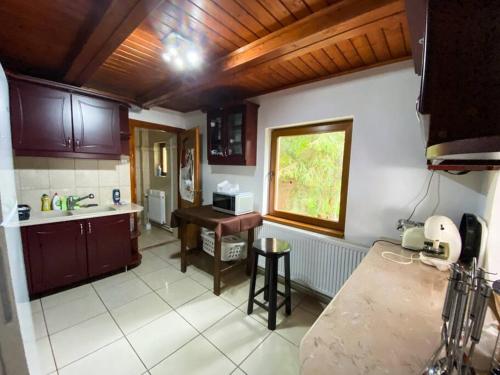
<point x="57" y="255"/>
<point x="40" y="118"/>
<point x="216" y="136"/>
<point x="96" y="125"/>
<point x="235" y="124"/>
<point x="108" y="243"/>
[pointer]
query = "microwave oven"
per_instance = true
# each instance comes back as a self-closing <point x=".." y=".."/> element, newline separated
<point x="234" y="204"/>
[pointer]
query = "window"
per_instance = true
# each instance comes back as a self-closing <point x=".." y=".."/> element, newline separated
<point x="160" y="159"/>
<point x="309" y="174"/>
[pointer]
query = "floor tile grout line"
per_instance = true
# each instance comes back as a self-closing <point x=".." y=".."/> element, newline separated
<point x="89" y="354"/>
<point x="48" y="338"/>
<point x="254" y="349"/>
<point x="237" y="364"/>
<point x="123" y="333"/>
<point x="200" y="333"/>
<point x="149" y="247"/>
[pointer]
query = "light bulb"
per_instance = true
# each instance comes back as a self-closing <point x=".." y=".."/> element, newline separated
<point x="179" y="63"/>
<point x="194" y="58"/>
<point x="166" y="56"/>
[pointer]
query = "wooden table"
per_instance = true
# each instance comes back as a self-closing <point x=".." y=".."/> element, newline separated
<point x="222" y="224"/>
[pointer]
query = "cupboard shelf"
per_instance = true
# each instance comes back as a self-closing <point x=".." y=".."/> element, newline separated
<point x="232" y="134"/>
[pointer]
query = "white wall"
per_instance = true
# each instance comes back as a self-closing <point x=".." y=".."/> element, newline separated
<point x="160" y="116"/>
<point x="492" y="217"/>
<point x="388" y="167"/>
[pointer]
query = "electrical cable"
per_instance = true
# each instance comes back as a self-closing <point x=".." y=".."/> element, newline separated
<point x="438" y="195"/>
<point x="409" y="260"/>
<point x="387" y="241"/>
<point x="423" y="198"/>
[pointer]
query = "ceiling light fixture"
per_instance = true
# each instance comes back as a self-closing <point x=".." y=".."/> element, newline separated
<point x="181" y="53"/>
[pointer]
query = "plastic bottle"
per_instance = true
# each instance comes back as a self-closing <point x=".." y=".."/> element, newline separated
<point x="45" y="202"/>
<point x="56" y="202"/>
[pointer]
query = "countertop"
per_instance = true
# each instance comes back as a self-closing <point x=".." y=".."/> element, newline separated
<point x="37" y="218"/>
<point x="386" y="319"/>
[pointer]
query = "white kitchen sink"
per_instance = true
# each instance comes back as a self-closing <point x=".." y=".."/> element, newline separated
<point x="92" y="210"/>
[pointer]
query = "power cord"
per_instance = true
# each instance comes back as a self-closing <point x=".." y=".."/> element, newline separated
<point x="409" y="260"/>
<point x="389" y="255"/>
<point x="423" y="198"/>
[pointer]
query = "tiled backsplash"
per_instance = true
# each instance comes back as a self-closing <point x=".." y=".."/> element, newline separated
<point x="36" y="176"/>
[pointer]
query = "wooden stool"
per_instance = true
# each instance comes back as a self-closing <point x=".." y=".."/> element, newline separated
<point x="272" y="249"/>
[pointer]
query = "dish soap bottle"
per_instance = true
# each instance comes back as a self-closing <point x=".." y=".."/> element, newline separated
<point x="56" y="202"/>
<point x="45" y="202"/>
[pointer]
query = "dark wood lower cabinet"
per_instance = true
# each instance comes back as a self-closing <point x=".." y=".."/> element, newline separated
<point x="61" y="254"/>
<point x="57" y="255"/>
<point x="108" y="244"/>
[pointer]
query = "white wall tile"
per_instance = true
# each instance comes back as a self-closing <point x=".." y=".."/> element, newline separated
<point x="86" y="173"/>
<point x="33" y="198"/>
<point x="124" y="172"/>
<point x="62" y="173"/>
<point x="36" y="176"/>
<point x="105" y="196"/>
<point x="108" y="173"/>
<point x="33" y="173"/>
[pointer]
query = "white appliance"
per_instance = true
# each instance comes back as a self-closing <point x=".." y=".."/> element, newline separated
<point x="17" y="340"/>
<point x="157" y="207"/>
<point x="233" y="204"/>
<point x="446" y="242"/>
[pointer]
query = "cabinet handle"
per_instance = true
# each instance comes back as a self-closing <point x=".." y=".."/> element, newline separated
<point x="81" y="229"/>
<point x="90" y="227"/>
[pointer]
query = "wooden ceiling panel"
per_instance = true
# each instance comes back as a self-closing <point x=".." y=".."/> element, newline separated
<point x="41" y="37"/>
<point x="326" y="62"/>
<point x="250" y="47"/>
<point x="243" y="17"/>
<point x="262" y="14"/>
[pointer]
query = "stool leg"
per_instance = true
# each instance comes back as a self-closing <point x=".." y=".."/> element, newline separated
<point x="273" y="295"/>
<point x="288" y="292"/>
<point x="266" y="280"/>
<point x="253" y="278"/>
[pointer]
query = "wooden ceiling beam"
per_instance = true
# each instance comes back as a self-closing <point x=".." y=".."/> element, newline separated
<point x="121" y="18"/>
<point x="263" y="69"/>
<point x="336" y="19"/>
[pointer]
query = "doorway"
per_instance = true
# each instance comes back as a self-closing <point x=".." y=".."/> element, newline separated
<point x="154" y="175"/>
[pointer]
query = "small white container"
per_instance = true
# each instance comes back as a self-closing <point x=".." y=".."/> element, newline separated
<point x="232" y="247"/>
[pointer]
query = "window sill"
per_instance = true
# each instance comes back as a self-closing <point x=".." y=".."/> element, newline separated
<point x="304" y="226"/>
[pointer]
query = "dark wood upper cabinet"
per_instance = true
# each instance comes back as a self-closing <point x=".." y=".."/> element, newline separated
<point x="108" y="243"/>
<point x="232" y="135"/>
<point x="96" y="125"/>
<point x="54" y="121"/>
<point x="460" y="69"/>
<point x="57" y="255"/>
<point x="41" y="118"/>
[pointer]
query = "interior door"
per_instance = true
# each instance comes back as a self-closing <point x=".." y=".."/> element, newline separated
<point x="96" y="125"/>
<point x="189" y="145"/>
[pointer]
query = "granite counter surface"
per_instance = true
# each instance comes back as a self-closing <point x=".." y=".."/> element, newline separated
<point x="385" y="320"/>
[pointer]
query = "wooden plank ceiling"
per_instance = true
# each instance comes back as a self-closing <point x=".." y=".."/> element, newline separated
<point x="250" y="46"/>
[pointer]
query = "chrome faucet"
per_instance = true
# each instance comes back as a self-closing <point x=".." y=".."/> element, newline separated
<point x="72" y="200"/>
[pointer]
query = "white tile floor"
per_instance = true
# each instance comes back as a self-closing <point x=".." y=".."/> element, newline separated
<point x="157" y="320"/>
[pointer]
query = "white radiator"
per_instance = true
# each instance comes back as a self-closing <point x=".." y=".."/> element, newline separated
<point x="156" y="206"/>
<point x="317" y="263"/>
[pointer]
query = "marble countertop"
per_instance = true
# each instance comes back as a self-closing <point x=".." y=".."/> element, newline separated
<point x="37" y="218"/>
<point x="386" y="319"/>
